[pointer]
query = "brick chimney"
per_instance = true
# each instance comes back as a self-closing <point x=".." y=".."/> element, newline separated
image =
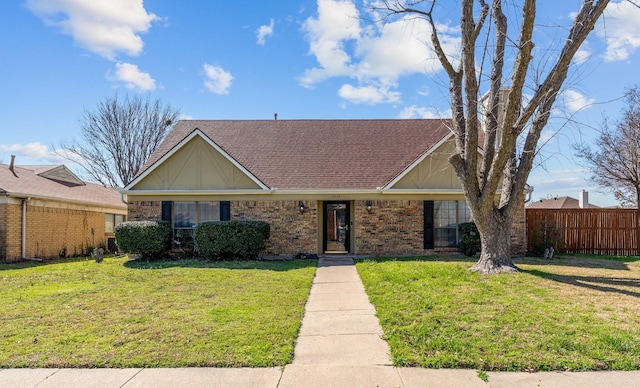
<point x="583" y="199"/>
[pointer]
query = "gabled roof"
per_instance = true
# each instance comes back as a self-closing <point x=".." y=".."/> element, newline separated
<point x="315" y="154"/>
<point x="557" y="203"/>
<point x="56" y="183"/>
<point x="55" y="172"/>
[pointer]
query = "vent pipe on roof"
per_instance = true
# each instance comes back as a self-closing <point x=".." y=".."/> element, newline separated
<point x="275" y="116"/>
<point x="13" y="159"/>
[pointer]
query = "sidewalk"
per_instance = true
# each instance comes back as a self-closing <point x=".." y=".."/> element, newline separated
<point x="339" y="345"/>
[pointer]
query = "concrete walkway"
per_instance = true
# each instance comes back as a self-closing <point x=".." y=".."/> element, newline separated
<point x="339" y="345"/>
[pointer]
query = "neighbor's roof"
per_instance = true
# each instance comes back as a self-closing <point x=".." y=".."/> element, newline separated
<point x="316" y="154"/>
<point x="557" y="203"/>
<point x="57" y="183"/>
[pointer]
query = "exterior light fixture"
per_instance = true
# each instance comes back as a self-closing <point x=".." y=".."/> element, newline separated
<point x="301" y="206"/>
<point x="369" y="207"/>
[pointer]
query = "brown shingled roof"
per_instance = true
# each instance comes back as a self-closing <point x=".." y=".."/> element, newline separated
<point x="316" y="154"/>
<point x="25" y="180"/>
<point x="557" y="203"/>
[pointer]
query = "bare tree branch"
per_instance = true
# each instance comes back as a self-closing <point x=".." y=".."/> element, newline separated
<point x="615" y="165"/>
<point x="118" y="137"/>
<point x="505" y="165"/>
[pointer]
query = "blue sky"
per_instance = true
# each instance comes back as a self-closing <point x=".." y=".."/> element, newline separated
<point x="303" y="59"/>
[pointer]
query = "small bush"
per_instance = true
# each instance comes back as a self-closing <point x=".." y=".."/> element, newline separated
<point x="470" y="243"/>
<point x="231" y="239"/>
<point x="146" y="238"/>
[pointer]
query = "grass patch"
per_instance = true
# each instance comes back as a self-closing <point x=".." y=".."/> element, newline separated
<point x="122" y="313"/>
<point x="563" y="314"/>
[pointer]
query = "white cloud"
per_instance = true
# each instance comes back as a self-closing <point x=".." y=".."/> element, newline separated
<point x="575" y="101"/>
<point x="217" y="79"/>
<point x="421" y="112"/>
<point x="368" y="94"/>
<point x="337" y="23"/>
<point x="621" y="30"/>
<point x="264" y="32"/>
<point x="559" y="182"/>
<point x="583" y="54"/>
<point x="30" y="153"/>
<point x="375" y="55"/>
<point x="132" y="77"/>
<point x="105" y="27"/>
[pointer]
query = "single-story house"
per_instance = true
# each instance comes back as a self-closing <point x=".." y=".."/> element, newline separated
<point x="363" y="187"/>
<point x="47" y="211"/>
<point x="565" y="202"/>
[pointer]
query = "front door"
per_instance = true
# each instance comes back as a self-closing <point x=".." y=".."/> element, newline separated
<point x="336" y="227"/>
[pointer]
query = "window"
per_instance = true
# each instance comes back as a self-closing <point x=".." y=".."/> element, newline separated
<point x="446" y="217"/>
<point x="111" y="221"/>
<point x="186" y="215"/>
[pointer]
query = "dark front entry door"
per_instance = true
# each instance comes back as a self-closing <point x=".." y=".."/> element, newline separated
<point x="336" y="227"/>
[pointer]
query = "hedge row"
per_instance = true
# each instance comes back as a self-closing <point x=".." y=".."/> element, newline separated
<point x="213" y="240"/>
<point x="146" y="238"/>
<point x="470" y="243"/>
<point x="231" y="239"/>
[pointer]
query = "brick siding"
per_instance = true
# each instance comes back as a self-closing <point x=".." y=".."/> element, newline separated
<point x="145" y="211"/>
<point x="291" y="231"/>
<point x="3" y="230"/>
<point x="13" y="236"/>
<point x="392" y="227"/>
<point x="519" y="230"/>
<point x="51" y="231"/>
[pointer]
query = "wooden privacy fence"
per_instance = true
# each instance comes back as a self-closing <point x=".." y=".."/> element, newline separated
<point x="591" y="231"/>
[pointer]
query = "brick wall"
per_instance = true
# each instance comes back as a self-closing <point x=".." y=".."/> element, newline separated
<point x="13" y="232"/>
<point x="291" y="231"/>
<point x="144" y="211"/>
<point x="50" y="231"/>
<point x="519" y="230"/>
<point x="392" y="228"/>
<point x="3" y="230"/>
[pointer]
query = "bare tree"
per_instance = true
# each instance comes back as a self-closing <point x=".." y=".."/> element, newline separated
<point x="504" y="165"/>
<point x="615" y="165"/>
<point x="118" y="137"/>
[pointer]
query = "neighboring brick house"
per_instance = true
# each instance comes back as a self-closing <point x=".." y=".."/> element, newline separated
<point x="364" y="187"/>
<point x="47" y="211"/>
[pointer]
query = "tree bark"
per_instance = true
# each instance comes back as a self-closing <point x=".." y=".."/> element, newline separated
<point x="505" y="167"/>
<point x="495" y="237"/>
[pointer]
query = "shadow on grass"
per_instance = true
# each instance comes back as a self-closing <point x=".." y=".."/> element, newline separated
<point x="22" y="264"/>
<point x="604" y="262"/>
<point x="598" y="283"/>
<point x="279" y="265"/>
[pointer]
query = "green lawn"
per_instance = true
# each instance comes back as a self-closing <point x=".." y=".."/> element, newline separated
<point x="121" y="313"/>
<point x="565" y="314"/>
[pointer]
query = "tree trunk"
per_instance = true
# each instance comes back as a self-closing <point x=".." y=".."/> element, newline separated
<point x="495" y="236"/>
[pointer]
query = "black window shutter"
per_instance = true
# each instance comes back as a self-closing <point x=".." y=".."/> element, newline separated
<point x="166" y="211"/>
<point x="428" y="224"/>
<point x="225" y="211"/>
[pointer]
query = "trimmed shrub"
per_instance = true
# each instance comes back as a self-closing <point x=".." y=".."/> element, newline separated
<point x="231" y="239"/>
<point x="470" y="243"/>
<point x="146" y="238"/>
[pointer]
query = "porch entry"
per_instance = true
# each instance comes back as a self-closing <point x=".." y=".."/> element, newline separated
<point x="336" y="227"/>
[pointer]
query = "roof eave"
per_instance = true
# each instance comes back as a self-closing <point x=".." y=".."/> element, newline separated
<point x="30" y="197"/>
